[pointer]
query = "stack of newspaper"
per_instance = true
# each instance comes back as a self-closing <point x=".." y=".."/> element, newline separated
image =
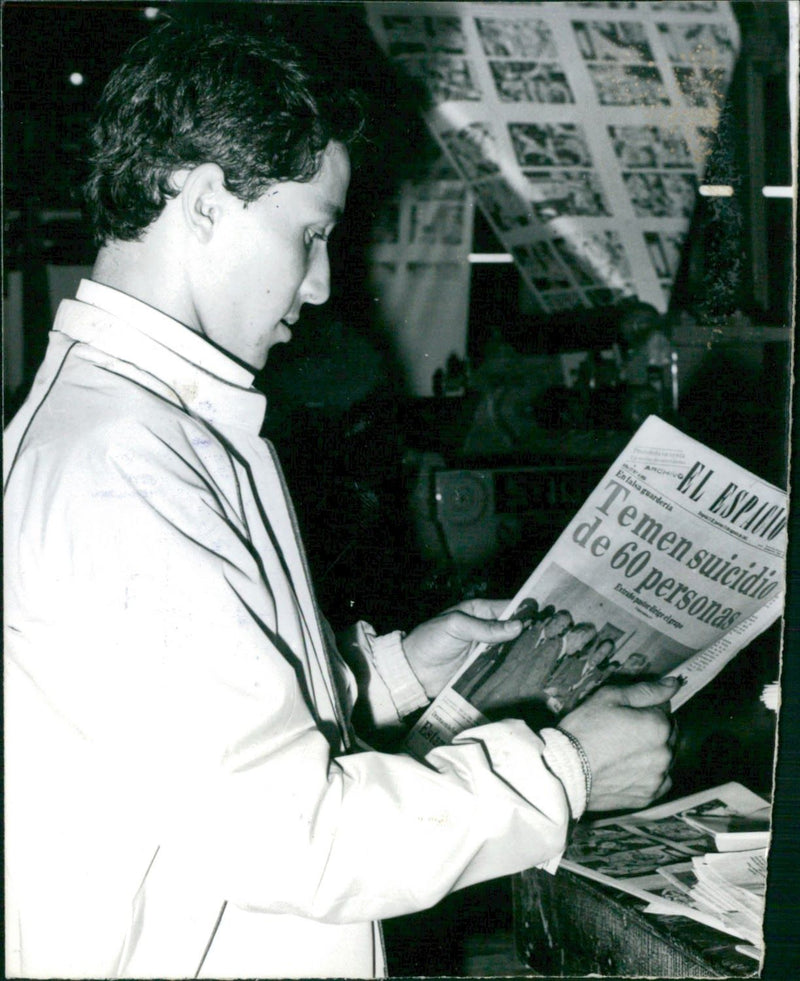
<point x="729" y="888"/>
<point x="666" y="857"/>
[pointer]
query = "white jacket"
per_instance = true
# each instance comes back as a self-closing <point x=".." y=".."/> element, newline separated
<point x="180" y="796"/>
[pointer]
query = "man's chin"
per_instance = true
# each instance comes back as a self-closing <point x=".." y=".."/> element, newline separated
<point x="260" y="361"/>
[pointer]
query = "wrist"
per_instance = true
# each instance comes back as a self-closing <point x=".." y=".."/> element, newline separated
<point x="566" y="757"/>
<point x="577" y="745"/>
<point x="427" y="676"/>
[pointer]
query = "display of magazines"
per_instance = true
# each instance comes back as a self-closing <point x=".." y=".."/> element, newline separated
<point x="663" y="857"/>
<point x="673" y="564"/>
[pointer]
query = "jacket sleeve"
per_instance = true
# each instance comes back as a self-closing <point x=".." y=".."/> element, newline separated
<point x="388" y="691"/>
<point x="191" y="715"/>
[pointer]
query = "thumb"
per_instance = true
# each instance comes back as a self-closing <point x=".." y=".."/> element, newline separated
<point x="486" y="631"/>
<point x="647" y="694"/>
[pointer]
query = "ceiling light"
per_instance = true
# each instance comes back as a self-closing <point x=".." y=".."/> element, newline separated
<point x="716" y="190"/>
<point x="489" y="257"/>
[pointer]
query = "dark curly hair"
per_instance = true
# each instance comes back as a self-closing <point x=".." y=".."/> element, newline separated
<point x="195" y="93"/>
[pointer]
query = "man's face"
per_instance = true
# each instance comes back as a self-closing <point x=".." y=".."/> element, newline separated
<point x="635" y="662"/>
<point x="599" y="654"/>
<point x="266" y="259"/>
<point x="557" y="625"/>
<point x="527" y="610"/>
<point x="578" y="638"/>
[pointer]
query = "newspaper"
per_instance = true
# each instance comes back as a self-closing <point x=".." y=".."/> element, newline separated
<point x="674" y="563"/>
<point x="581" y="129"/>
<point x="661" y="857"/>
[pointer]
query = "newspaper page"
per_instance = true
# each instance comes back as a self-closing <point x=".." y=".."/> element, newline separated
<point x="674" y="562"/>
<point x="660" y="857"/>
<point x="583" y="129"/>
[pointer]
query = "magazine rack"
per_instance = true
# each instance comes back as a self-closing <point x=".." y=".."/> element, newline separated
<point x="567" y="926"/>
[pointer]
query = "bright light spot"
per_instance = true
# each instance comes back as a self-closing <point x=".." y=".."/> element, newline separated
<point x="716" y="190"/>
<point x="777" y="192"/>
<point x="76" y="78"/>
<point x="489" y="257"/>
<point x="151" y="13"/>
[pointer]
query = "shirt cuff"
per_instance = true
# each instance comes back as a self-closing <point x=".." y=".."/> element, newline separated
<point x="563" y="760"/>
<point x="390" y="662"/>
<point x="388" y="688"/>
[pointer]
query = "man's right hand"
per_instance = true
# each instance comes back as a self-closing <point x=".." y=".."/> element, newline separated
<point x="628" y="737"/>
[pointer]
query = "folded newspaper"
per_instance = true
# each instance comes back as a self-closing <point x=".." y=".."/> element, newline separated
<point x="673" y="564"/>
<point x="663" y="858"/>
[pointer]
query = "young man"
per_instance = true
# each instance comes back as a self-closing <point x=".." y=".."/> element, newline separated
<point x="184" y="795"/>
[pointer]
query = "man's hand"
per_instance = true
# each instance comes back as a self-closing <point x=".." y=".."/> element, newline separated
<point x="628" y="738"/>
<point x="435" y="649"/>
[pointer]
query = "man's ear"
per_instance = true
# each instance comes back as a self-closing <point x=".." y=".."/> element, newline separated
<point x="203" y="195"/>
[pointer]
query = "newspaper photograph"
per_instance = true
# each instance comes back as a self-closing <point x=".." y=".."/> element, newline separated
<point x="673" y="564"/>
<point x="661" y="857"/>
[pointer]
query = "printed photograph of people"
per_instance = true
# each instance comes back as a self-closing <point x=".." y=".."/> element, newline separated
<point x="574" y="640"/>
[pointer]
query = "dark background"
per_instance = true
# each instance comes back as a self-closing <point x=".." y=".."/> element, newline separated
<point x="353" y="456"/>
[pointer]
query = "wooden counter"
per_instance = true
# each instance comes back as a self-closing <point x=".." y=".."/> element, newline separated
<point x="566" y="925"/>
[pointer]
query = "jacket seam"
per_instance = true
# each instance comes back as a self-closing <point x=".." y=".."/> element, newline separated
<point x="36" y="412"/>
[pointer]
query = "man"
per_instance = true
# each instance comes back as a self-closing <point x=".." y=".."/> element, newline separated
<point x="529" y="662"/>
<point x="184" y="794"/>
<point x="635" y="664"/>
<point x="576" y="639"/>
<point x="597" y="667"/>
<point x="572" y="667"/>
<point x="487" y="663"/>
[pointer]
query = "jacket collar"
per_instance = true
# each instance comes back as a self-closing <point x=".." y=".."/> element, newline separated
<point x="202" y="378"/>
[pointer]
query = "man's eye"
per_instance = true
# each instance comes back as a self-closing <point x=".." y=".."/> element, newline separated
<point x="320" y="236"/>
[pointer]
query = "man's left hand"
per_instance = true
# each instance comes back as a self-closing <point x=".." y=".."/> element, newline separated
<point x="436" y="649"/>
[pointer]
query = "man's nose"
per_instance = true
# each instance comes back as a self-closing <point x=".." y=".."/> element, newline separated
<point x="317" y="284"/>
